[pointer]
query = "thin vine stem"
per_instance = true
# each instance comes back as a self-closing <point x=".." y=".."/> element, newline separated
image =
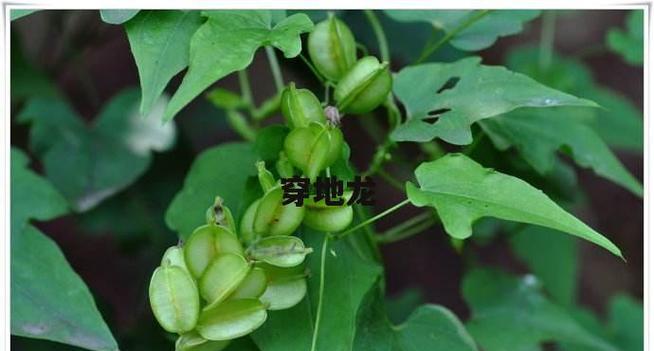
<point x="377" y="28"/>
<point x="371" y="219"/>
<point x="313" y="69"/>
<point x="246" y="90"/>
<point x="546" y="49"/>
<point x="391" y="180"/>
<point x="417" y="219"/>
<point x="406" y="233"/>
<point x="432" y="48"/>
<point x="275" y="69"/>
<point x="321" y="289"/>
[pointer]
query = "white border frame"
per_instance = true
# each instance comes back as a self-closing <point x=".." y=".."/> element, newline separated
<point x="5" y="47"/>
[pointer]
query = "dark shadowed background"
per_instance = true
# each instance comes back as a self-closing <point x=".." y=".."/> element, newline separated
<point x="115" y="248"/>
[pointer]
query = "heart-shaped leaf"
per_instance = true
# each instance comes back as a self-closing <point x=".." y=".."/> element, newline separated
<point x="160" y="42"/>
<point x="443" y="100"/>
<point x="463" y="191"/>
<point x="241" y="33"/>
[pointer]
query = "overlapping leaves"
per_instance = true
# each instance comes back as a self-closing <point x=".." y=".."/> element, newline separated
<point x="539" y="134"/>
<point x="220" y="171"/>
<point x="512" y="314"/>
<point x="48" y="299"/>
<point x="90" y="163"/>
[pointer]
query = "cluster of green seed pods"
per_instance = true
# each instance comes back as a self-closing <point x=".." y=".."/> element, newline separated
<point x="361" y="85"/>
<point x="213" y="289"/>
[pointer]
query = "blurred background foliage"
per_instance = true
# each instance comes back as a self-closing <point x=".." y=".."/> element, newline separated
<point x="74" y="94"/>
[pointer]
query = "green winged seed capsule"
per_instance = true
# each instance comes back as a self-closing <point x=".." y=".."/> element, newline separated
<point x="192" y="341"/>
<point x="332" y="48"/>
<point x="205" y="244"/>
<point x="222" y="277"/>
<point x="300" y="107"/>
<point x="226" y="242"/>
<point x="247" y="222"/>
<point x="219" y="214"/>
<point x="200" y="250"/>
<point x="364" y="87"/>
<point x="174" y="256"/>
<point x="280" y="251"/>
<point x="286" y="286"/>
<point x="231" y="319"/>
<point x="329" y="219"/>
<point x="313" y="148"/>
<point x="174" y="299"/>
<point x="266" y="179"/>
<point x="284" y="294"/>
<point x="284" y="166"/>
<point x="273" y="218"/>
<point x="252" y="286"/>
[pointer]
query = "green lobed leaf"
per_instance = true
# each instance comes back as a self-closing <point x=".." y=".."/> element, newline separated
<point x="117" y="16"/>
<point x="90" y="163"/>
<point x="479" y="34"/>
<point x="510" y="313"/>
<point x="48" y="299"/>
<point x="429" y="327"/>
<point x="462" y="191"/>
<point x="619" y="123"/>
<point x="241" y="33"/>
<point x="32" y="197"/>
<point x="552" y="257"/>
<point x="160" y="43"/>
<point x="629" y="44"/>
<point x="539" y="133"/>
<point x="458" y="94"/>
<point x="222" y="170"/>
<point x="348" y="277"/>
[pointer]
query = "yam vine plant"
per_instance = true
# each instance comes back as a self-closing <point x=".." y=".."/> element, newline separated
<point x="253" y="270"/>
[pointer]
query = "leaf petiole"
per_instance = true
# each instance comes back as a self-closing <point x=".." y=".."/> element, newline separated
<point x="371" y="220"/>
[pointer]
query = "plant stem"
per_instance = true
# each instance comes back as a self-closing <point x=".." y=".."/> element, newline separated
<point x="371" y="219"/>
<point x="274" y="68"/>
<point x="417" y="219"/>
<point x="321" y="288"/>
<point x="432" y="48"/>
<point x="547" y="40"/>
<point x="313" y="69"/>
<point x="382" y="42"/>
<point x="400" y="235"/>
<point x="246" y="90"/>
<point x="370" y="234"/>
<point x="391" y="180"/>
